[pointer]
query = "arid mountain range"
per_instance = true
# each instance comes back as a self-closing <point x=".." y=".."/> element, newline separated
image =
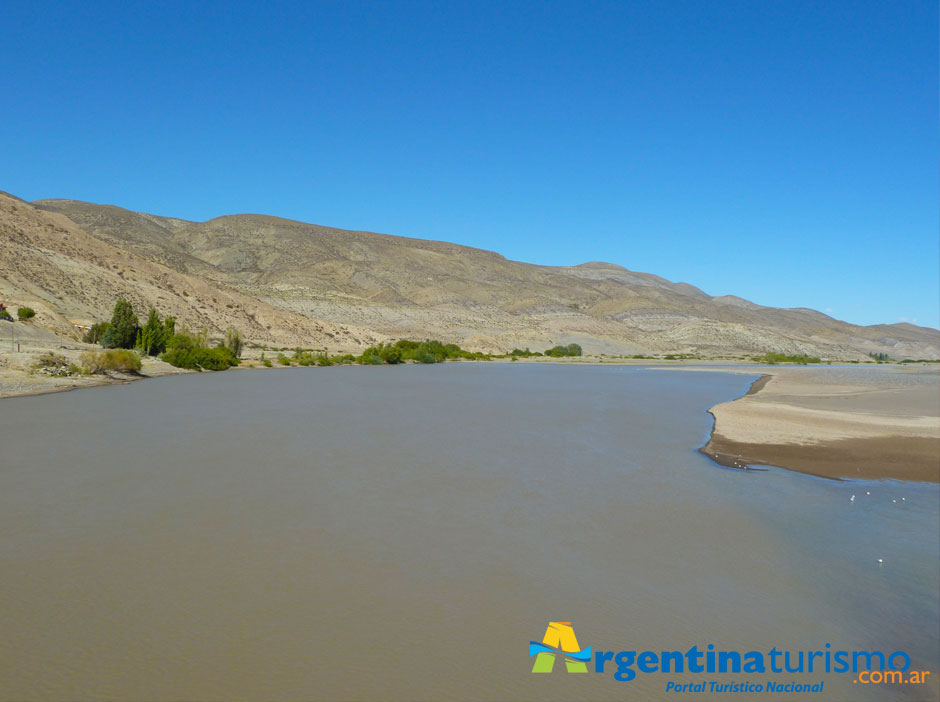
<point x="289" y="283"/>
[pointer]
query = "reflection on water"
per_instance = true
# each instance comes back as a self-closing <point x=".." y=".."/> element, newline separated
<point x="403" y="533"/>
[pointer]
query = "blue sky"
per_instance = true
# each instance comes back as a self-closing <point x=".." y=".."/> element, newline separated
<point x="786" y="152"/>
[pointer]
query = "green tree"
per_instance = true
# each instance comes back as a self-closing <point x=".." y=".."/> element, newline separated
<point x="122" y="333"/>
<point x="152" y="335"/>
<point x="25" y="313"/>
<point x="574" y="349"/>
<point x="96" y="332"/>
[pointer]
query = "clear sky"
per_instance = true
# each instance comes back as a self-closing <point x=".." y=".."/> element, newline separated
<point x="786" y="152"/>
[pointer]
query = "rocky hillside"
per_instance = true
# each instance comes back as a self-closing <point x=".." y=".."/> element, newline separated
<point x="318" y="285"/>
<point x="71" y="278"/>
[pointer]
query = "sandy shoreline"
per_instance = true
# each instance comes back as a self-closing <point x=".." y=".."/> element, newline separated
<point x="20" y="378"/>
<point x="875" y="423"/>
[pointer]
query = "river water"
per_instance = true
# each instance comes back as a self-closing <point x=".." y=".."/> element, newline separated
<point x="404" y="532"/>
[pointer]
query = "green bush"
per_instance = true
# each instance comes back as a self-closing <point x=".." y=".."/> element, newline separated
<point x="184" y="341"/>
<point x="185" y="350"/>
<point x="562" y="351"/>
<point x="5" y="315"/>
<point x="219" y="358"/>
<point x="111" y="360"/>
<point x="771" y="358"/>
<point x="428" y="351"/>
<point x="390" y="354"/>
<point x="526" y="353"/>
<point x="198" y="358"/>
<point x="283" y="360"/>
<point x="370" y="357"/>
<point x="26" y="313"/>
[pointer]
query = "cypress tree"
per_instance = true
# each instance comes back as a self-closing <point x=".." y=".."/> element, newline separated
<point x="123" y="330"/>
<point x="152" y="335"/>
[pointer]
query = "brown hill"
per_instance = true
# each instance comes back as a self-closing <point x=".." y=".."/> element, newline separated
<point x="72" y="278"/>
<point x="400" y="287"/>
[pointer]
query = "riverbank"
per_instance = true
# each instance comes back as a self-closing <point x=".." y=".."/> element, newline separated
<point x="835" y="422"/>
<point x="19" y="375"/>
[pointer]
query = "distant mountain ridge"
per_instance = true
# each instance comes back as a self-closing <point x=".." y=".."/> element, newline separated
<point x="379" y="286"/>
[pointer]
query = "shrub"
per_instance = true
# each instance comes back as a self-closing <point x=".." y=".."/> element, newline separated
<point x="771" y="358"/>
<point x="50" y="360"/>
<point x="390" y="354"/>
<point x="370" y="357"/>
<point x="233" y="341"/>
<point x="57" y="366"/>
<point x="184" y="341"/>
<point x="26" y="313"/>
<point x="266" y="362"/>
<point x="198" y="358"/>
<point x="6" y="315"/>
<point x="121" y="360"/>
<point x="283" y="360"/>
<point x="428" y="351"/>
<point x="219" y="358"/>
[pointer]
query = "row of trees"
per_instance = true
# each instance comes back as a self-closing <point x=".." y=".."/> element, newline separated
<point x="124" y="331"/>
<point x="160" y="338"/>
<point x="554" y="352"/>
<point x="428" y="351"/>
<point x="772" y="358"/>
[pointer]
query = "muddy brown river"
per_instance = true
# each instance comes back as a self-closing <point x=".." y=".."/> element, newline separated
<point x="403" y="533"/>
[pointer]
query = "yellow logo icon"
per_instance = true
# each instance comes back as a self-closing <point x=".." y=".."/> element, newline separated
<point x="559" y="640"/>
